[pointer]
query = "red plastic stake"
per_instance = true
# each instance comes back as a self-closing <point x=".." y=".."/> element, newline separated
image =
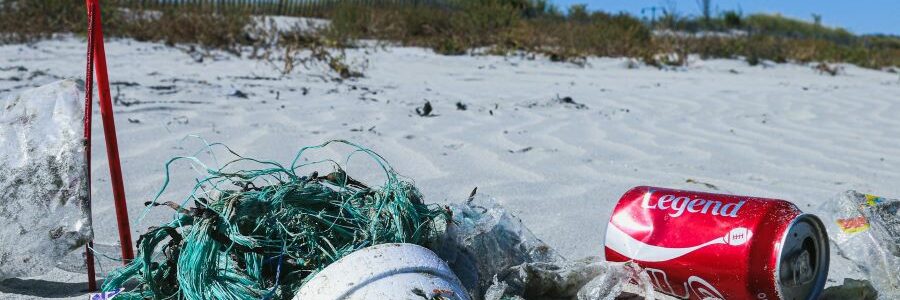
<point x="98" y="56"/>
<point x="88" y="114"/>
<point x="109" y="134"/>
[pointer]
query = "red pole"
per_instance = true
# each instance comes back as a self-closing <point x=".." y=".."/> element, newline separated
<point x="88" y="116"/>
<point x="109" y="132"/>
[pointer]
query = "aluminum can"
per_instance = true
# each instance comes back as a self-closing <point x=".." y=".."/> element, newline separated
<point x="695" y="245"/>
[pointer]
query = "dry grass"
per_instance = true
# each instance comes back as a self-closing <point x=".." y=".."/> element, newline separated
<point x="501" y="26"/>
<point x="221" y="30"/>
<point x="27" y="21"/>
<point x="231" y="30"/>
<point x="505" y="27"/>
<point x="496" y="24"/>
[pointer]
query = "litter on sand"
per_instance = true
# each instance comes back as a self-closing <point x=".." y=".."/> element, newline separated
<point x="261" y="233"/>
<point x="865" y="229"/>
<point x="43" y="191"/>
<point x="497" y="257"/>
<point x="265" y="232"/>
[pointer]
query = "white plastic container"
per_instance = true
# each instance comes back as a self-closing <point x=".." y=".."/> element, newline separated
<point x="387" y="271"/>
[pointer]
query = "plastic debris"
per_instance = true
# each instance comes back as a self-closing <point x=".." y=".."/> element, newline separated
<point x="865" y="229"/>
<point x="484" y="240"/>
<point x="262" y="232"/>
<point x="610" y="283"/>
<point x="385" y="271"/>
<point x="44" y="212"/>
<point x="496" y="257"/>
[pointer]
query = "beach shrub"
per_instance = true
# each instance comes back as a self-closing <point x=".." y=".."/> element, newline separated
<point x="455" y="27"/>
<point x="778" y="25"/>
<point x="27" y="21"/>
<point x="220" y="29"/>
<point x="732" y="19"/>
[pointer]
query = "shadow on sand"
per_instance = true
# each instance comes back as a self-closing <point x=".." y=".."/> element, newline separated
<point x="42" y="288"/>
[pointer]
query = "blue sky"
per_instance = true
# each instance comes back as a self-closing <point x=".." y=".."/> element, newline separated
<point x="858" y="16"/>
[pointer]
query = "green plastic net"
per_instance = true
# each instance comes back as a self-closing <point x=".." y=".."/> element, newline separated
<point x="260" y="233"/>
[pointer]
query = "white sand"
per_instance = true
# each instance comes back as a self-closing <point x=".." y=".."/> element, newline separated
<point x="782" y="131"/>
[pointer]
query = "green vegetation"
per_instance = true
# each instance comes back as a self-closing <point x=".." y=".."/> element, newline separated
<point x="506" y="26"/>
<point x="456" y="27"/>
<point x="27" y="21"/>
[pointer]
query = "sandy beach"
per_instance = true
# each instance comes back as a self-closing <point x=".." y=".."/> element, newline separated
<point x="556" y="143"/>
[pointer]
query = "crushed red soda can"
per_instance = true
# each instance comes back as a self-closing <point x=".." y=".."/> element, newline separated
<point x="696" y="245"/>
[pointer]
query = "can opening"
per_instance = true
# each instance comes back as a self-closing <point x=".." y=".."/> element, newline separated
<point x="803" y="263"/>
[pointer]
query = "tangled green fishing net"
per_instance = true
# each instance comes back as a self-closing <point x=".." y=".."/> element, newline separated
<point x="261" y="233"/>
